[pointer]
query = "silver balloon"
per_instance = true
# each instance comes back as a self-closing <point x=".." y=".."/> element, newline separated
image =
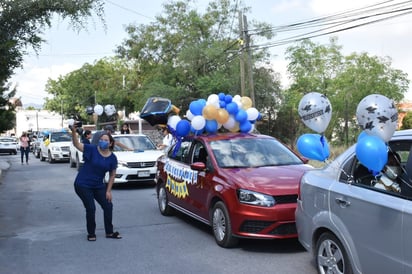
<point x="109" y="110"/>
<point x="98" y="109"/>
<point x="315" y="111"/>
<point x="377" y="115"/>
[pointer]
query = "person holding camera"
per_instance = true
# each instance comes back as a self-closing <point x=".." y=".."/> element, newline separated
<point x="89" y="183"/>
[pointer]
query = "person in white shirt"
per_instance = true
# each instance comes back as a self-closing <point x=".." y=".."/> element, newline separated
<point x="167" y="140"/>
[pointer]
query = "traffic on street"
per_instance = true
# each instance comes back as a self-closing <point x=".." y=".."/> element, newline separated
<point x="43" y="231"/>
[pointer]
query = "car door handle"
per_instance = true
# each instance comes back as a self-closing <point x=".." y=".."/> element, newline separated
<point x="342" y="202"/>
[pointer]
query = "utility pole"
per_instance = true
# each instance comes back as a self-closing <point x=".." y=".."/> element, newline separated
<point x="245" y="38"/>
<point x="250" y="65"/>
<point x="242" y="53"/>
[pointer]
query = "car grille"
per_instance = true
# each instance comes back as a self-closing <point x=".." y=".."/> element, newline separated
<point x="140" y="164"/>
<point x="284" y="229"/>
<point x="66" y="149"/>
<point x="254" y="226"/>
<point x="136" y="178"/>
<point x="286" y="199"/>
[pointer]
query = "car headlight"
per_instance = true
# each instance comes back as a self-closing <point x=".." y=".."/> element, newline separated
<point x="255" y="198"/>
<point x="55" y="148"/>
<point x="122" y="163"/>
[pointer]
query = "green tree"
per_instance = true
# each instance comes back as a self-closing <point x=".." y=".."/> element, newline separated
<point x="407" y="121"/>
<point x="103" y="82"/>
<point x="185" y="55"/>
<point x="21" y="25"/>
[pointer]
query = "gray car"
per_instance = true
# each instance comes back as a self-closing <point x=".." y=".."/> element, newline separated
<point x="355" y="222"/>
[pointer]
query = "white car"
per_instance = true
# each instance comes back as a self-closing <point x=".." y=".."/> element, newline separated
<point x="8" y="145"/>
<point x="138" y="166"/>
<point x="56" y="147"/>
<point x="76" y="156"/>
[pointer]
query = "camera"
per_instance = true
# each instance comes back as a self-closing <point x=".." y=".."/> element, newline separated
<point x="78" y="124"/>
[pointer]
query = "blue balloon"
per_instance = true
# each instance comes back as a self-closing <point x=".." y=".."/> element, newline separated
<point x="222" y="104"/>
<point x="241" y="116"/>
<point x="228" y="99"/>
<point x="232" y="108"/>
<point x="372" y="152"/>
<point x="183" y="128"/>
<point x="221" y="96"/>
<point x="245" y="126"/>
<point x="211" y="126"/>
<point x="202" y="102"/>
<point x="313" y="146"/>
<point x="196" y="108"/>
<point x="362" y="134"/>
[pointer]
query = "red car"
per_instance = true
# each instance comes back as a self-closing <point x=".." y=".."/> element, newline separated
<point x="243" y="185"/>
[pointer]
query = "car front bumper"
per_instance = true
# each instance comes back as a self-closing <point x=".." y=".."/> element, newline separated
<point x="135" y="175"/>
<point x="276" y="222"/>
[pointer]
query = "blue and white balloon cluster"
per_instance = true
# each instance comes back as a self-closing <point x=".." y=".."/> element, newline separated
<point x="378" y="117"/>
<point x="315" y="111"/>
<point x="219" y="110"/>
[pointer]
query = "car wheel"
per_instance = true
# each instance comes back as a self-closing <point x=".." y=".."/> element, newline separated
<point x="331" y="257"/>
<point x="42" y="158"/>
<point x="222" y="227"/>
<point x="49" y="158"/>
<point x="71" y="162"/>
<point x="163" y="202"/>
<point x="77" y="162"/>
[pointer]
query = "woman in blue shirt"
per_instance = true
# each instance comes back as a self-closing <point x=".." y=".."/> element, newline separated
<point x="89" y="183"/>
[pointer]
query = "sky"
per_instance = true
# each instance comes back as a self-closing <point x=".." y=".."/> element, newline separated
<point x="66" y="50"/>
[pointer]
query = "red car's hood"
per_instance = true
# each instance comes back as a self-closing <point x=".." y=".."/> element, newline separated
<point x="270" y="180"/>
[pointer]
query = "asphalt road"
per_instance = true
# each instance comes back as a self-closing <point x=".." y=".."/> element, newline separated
<point x="42" y="230"/>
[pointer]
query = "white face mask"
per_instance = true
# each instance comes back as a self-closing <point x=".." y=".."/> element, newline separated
<point x="392" y="171"/>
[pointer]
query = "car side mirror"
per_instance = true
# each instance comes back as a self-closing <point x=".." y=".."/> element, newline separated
<point x="199" y="166"/>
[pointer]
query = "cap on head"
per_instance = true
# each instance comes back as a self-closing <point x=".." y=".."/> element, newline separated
<point x="109" y="127"/>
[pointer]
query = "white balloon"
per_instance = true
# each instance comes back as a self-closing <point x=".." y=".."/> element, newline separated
<point x="252" y="113"/>
<point x="173" y="120"/>
<point x="315" y="111"/>
<point x="230" y="123"/>
<point x="213" y="99"/>
<point x="98" y="109"/>
<point x="198" y="122"/>
<point x="377" y="115"/>
<point x="189" y="115"/>
<point x="108" y="109"/>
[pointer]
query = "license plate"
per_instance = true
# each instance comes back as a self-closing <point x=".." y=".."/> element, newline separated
<point x="144" y="173"/>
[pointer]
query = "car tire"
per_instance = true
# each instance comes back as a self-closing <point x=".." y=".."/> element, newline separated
<point x="163" y="202"/>
<point x="72" y="164"/>
<point x="42" y="158"/>
<point x="330" y="255"/>
<point x="49" y="158"/>
<point x="77" y="162"/>
<point x="222" y="226"/>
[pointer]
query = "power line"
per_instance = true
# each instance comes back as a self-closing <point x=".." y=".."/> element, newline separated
<point x="336" y="26"/>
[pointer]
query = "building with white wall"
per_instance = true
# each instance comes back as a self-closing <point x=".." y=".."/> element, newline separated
<point x="37" y="120"/>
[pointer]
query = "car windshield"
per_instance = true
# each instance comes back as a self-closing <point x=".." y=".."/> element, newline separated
<point x="135" y="142"/>
<point x="61" y="137"/>
<point x="248" y="152"/>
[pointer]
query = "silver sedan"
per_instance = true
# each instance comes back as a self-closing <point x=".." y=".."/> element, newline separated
<point x="354" y="221"/>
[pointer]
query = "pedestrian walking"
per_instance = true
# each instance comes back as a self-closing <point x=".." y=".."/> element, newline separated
<point x="24" y="147"/>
